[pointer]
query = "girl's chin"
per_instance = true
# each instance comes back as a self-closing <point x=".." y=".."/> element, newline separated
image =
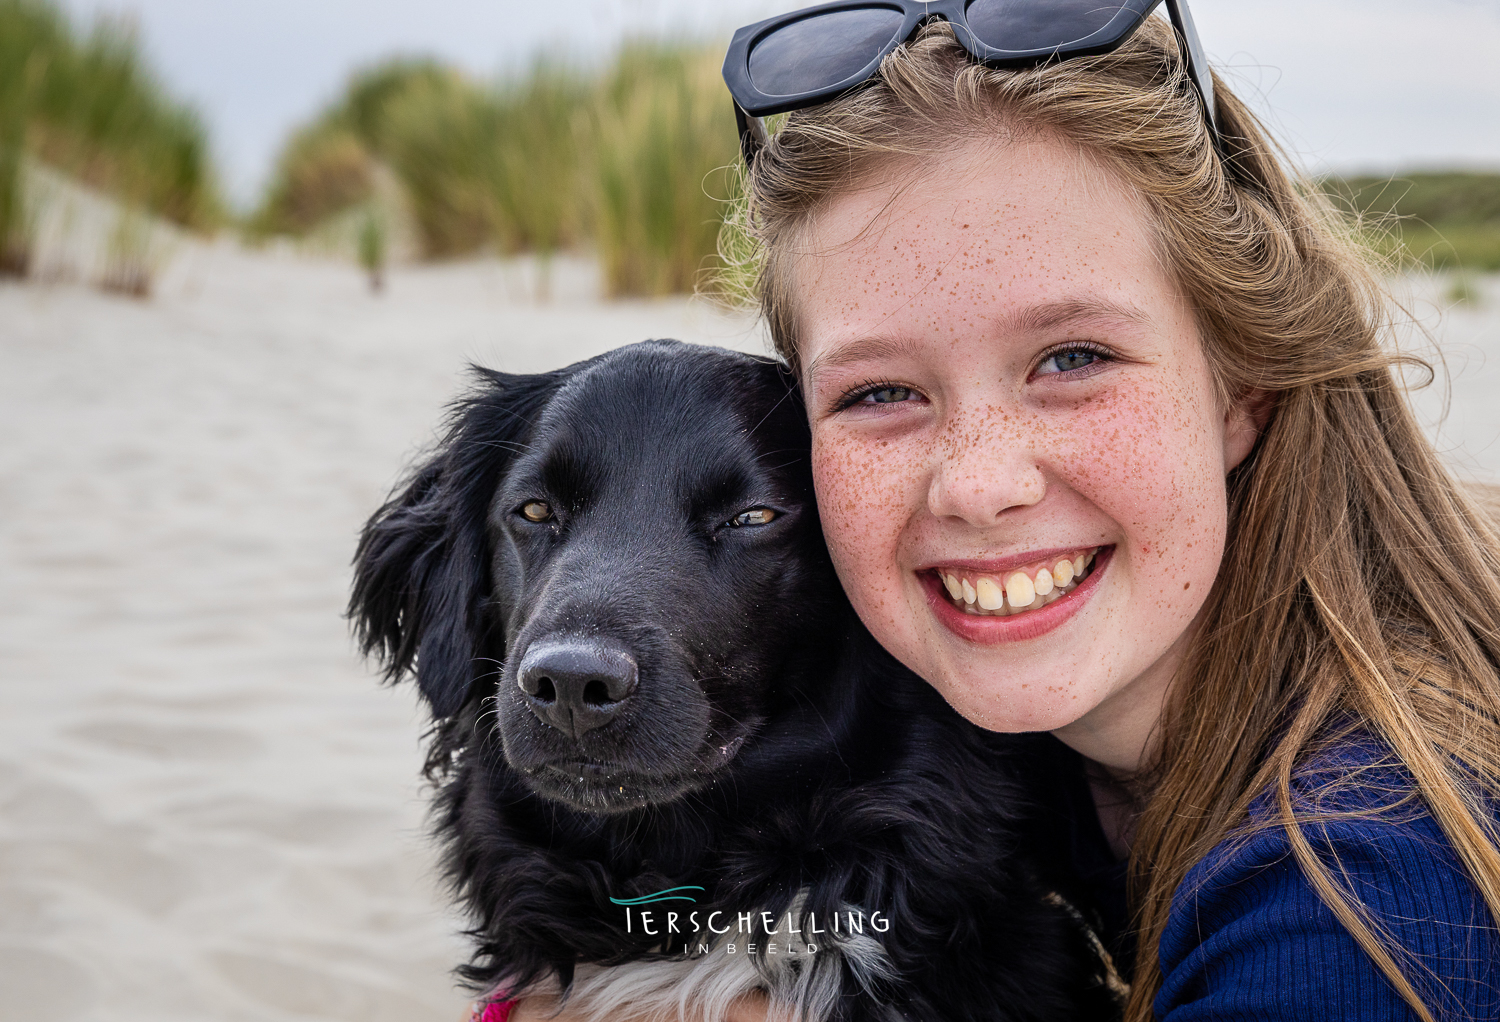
<point x="1017" y="627"/>
<point x="1036" y="711"/>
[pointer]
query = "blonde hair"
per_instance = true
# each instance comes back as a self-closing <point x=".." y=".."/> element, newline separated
<point x="1335" y="609"/>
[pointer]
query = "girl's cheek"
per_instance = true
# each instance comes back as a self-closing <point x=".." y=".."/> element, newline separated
<point x="864" y="495"/>
<point x="1152" y="460"/>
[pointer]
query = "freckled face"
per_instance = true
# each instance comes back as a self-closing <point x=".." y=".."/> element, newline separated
<point x="1000" y="375"/>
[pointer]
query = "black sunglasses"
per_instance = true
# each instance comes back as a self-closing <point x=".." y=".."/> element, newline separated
<point x="810" y="56"/>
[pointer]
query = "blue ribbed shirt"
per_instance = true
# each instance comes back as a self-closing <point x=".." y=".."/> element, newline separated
<point x="1249" y="938"/>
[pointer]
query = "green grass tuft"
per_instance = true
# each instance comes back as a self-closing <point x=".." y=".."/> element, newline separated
<point x="372" y="247"/>
<point x="321" y="173"/>
<point x="665" y="146"/>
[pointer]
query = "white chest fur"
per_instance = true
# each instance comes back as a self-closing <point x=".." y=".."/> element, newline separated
<point x="802" y="975"/>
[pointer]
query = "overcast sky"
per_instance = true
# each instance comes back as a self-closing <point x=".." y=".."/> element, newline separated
<point x="1350" y="84"/>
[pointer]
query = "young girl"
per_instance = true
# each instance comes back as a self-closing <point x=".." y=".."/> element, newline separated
<point x="1107" y="444"/>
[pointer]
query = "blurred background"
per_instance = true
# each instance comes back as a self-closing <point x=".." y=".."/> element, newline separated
<point x="247" y="250"/>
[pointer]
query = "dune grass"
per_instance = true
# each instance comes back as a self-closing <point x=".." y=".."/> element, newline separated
<point x="322" y="171"/>
<point x="443" y="136"/>
<point x="542" y="131"/>
<point x="28" y="33"/>
<point x="1438" y="220"/>
<point x="437" y="131"/>
<point x="664" y="147"/>
<point x="15" y="241"/>
<point x="86" y="104"/>
<point x="625" y="160"/>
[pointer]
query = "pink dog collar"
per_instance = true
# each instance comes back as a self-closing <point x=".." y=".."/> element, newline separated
<point x="494" y="1011"/>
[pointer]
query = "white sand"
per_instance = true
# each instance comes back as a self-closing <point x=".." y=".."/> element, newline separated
<point x="208" y="809"/>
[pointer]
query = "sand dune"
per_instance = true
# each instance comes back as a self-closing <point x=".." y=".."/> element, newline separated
<point x="208" y="808"/>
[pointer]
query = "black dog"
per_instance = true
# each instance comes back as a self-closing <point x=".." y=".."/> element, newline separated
<point x="673" y="766"/>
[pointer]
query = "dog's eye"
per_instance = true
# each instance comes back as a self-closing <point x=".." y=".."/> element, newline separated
<point x="536" y="511"/>
<point x="755" y="516"/>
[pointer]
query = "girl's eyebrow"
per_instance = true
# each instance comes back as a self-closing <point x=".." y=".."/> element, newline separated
<point x="861" y="350"/>
<point x="1029" y="320"/>
<point x="1050" y="315"/>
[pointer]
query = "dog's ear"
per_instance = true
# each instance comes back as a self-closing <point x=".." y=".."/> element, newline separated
<point x="421" y="572"/>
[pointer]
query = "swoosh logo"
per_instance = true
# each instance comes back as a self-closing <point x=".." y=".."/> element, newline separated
<point x="670" y="894"/>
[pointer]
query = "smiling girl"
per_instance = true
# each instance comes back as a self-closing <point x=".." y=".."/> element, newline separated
<point x="1107" y="444"/>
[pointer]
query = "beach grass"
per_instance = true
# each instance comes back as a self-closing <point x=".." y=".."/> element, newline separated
<point x="630" y="161"/>
<point x="15" y="235"/>
<point x="91" y="107"/>
<point x="28" y="34"/>
<point x="321" y="172"/>
<point x="543" y="133"/>
<point x="427" y="123"/>
<point x="86" y="103"/>
<point x="664" y="148"/>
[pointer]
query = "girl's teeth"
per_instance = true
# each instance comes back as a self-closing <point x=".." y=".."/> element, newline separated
<point x="954" y="589"/>
<point x="1019" y="590"/>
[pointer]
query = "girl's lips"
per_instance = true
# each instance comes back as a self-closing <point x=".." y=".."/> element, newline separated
<point x="1018" y="627"/>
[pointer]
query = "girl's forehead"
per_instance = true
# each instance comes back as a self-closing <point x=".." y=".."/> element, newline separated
<point x="985" y="232"/>
<point x="981" y="192"/>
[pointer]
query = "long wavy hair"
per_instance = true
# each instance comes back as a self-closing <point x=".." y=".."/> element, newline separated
<point x="1360" y="585"/>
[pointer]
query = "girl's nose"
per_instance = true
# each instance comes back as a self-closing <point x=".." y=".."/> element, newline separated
<point x="978" y="480"/>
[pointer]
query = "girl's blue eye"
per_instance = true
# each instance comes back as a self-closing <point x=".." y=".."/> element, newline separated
<point x="1068" y="360"/>
<point x="887" y="395"/>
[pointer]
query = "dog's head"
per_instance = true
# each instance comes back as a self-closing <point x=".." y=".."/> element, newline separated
<point x="622" y="555"/>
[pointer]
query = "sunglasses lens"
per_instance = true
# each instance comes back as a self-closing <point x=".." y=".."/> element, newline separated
<point x="821" y="51"/>
<point x="1031" y="25"/>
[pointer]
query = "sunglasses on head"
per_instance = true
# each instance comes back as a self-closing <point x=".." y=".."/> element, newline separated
<point x="813" y="55"/>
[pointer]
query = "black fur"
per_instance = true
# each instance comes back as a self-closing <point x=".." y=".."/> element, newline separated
<point x="769" y="745"/>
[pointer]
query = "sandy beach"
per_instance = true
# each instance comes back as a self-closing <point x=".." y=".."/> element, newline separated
<point x="209" y="809"/>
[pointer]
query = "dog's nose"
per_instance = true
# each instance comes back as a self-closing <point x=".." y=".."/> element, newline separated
<point x="576" y="686"/>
